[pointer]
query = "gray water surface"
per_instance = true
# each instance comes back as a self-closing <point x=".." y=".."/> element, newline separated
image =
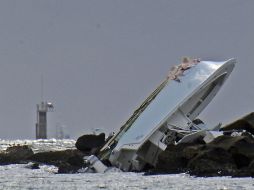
<point x="21" y="177"/>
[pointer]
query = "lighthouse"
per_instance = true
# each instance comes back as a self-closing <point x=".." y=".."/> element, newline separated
<point x="41" y="125"/>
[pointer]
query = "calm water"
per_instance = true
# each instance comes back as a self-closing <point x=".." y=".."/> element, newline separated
<point x="20" y="177"/>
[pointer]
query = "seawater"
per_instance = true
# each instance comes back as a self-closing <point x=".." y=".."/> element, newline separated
<point x="20" y="177"/>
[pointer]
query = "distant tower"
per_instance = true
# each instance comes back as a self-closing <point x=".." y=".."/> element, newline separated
<point x="61" y="132"/>
<point x="41" y="125"/>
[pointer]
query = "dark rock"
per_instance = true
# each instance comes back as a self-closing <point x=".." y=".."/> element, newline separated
<point x="251" y="168"/>
<point x="76" y="161"/>
<point x="190" y="151"/>
<point x="244" y="123"/>
<point x="241" y="160"/>
<point x="16" y="155"/>
<point x="72" y="165"/>
<point x="212" y="162"/>
<point x="239" y="145"/>
<point x="226" y="142"/>
<point x="171" y="160"/>
<point x="33" y="166"/>
<point x="69" y="168"/>
<point x="246" y="171"/>
<point x="224" y="156"/>
<point x="66" y="168"/>
<point x="52" y="157"/>
<point x="175" y="158"/>
<point x="90" y="142"/>
<point x="68" y="161"/>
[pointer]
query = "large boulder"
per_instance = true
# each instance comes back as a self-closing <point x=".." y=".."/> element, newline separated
<point x="176" y="157"/>
<point x="240" y="147"/>
<point x="72" y="165"/>
<point x="90" y="142"/>
<point x="224" y="156"/>
<point x="212" y="162"/>
<point x="244" y="123"/>
<point x="16" y="155"/>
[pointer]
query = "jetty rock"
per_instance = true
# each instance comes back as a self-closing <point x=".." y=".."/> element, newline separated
<point x="67" y="161"/>
<point x="224" y="156"/>
<point x="90" y="142"/>
<point x="16" y="155"/>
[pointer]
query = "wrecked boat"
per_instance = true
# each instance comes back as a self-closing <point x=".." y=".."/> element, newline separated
<point x="167" y="116"/>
